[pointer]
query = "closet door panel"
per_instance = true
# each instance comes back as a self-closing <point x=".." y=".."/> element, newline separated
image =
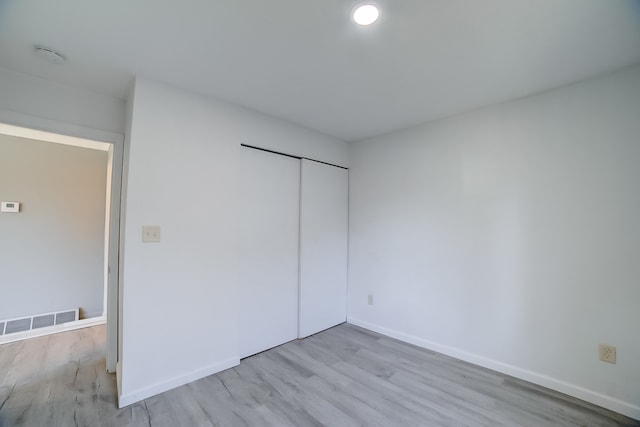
<point x="323" y="247"/>
<point x="269" y="236"/>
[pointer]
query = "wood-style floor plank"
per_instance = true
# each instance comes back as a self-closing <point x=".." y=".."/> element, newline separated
<point x="345" y="376"/>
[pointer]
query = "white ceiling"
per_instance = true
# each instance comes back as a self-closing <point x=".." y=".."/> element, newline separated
<point x="306" y="62"/>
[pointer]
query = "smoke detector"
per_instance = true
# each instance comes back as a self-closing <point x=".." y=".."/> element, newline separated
<point x="50" y="55"/>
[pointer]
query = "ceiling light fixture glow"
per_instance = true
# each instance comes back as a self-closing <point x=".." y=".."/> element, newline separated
<point x="366" y="14"/>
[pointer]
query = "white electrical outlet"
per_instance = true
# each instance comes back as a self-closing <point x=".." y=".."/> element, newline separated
<point x="150" y="233"/>
<point x="370" y="299"/>
<point x="607" y="353"/>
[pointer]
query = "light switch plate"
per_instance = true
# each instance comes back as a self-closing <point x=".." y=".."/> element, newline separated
<point x="150" y="233"/>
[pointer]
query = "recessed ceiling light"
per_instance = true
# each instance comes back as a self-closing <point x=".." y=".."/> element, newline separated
<point x="49" y="55"/>
<point x="366" y="14"/>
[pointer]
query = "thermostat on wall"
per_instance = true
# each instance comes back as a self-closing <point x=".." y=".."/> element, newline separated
<point x="10" y="207"/>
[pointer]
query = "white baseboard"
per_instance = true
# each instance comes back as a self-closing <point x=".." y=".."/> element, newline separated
<point x="126" y="399"/>
<point x="622" y="407"/>
<point x="55" y="329"/>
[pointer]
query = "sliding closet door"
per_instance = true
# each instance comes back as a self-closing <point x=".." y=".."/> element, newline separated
<point x="323" y="247"/>
<point x="269" y="237"/>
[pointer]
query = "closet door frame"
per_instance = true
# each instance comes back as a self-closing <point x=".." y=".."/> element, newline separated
<point x="310" y="318"/>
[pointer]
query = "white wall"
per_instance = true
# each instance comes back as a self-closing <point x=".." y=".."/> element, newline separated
<point x="179" y="306"/>
<point x="25" y="94"/>
<point x="52" y="252"/>
<point x="509" y="237"/>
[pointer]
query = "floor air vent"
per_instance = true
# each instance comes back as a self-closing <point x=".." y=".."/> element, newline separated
<point x="22" y="324"/>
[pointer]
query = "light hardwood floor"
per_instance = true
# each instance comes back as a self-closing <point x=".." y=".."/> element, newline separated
<point x="345" y="376"/>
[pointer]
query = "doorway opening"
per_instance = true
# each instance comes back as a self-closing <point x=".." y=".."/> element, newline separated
<point x="61" y="236"/>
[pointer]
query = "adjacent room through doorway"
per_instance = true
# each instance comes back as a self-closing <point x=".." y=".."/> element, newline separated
<point x="56" y="194"/>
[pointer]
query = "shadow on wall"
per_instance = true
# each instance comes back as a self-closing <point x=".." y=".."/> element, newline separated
<point x="83" y="314"/>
